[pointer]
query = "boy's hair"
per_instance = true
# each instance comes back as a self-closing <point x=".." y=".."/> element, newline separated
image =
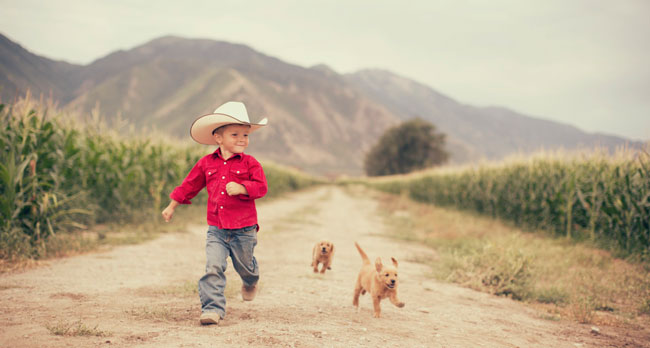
<point x="221" y="128"/>
<point x="218" y="130"/>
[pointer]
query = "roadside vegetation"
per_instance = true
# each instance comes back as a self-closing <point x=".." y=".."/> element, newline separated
<point x="563" y="278"/>
<point x="588" y="196"/>
<point x="74" y="329"/>
<point x="69" y="185"/>
<point x="569" y="234"/>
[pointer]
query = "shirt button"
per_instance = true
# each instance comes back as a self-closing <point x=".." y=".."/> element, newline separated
<point x="237" y="172"/>
<point x="224" y="162"/>
<point x="209" y="173"/>
<point x="221" y="192"/>
<point x="223" y="177"/>
<point x="221" y="207"/>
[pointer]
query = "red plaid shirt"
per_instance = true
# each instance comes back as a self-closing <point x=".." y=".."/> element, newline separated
<point x="213" y="172"/>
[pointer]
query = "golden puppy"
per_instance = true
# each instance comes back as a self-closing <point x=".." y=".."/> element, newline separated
<point x="379" y="280"/>
<point x="323" y="253"/>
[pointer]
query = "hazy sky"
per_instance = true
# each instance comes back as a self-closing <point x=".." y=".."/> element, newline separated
<point x="581" y="62"/>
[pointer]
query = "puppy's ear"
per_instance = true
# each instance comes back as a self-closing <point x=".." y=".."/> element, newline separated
<point x="332" y="252"/>
<point x="378" y="264"/>
<point x="394" y="262"/>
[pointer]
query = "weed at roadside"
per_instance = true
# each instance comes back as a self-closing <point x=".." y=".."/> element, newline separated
<point x="77" y="328"/>
<point x="156" y="313"/>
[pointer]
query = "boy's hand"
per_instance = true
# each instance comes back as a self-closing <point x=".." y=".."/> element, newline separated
<point x="234" y="189"/>
<point x="169" y="211"/>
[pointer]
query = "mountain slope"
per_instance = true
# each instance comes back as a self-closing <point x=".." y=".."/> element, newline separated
<point x="21" y="70"/>
<point x="473" y="132"/>
<point x="319" y="120"/>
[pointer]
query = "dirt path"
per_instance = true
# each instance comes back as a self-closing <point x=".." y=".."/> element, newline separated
<point x="144" y="295"/>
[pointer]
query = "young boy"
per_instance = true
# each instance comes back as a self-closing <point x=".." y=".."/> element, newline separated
<point x="233" y="180"/>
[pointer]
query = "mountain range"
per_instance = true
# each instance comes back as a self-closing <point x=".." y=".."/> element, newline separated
<point x="320" y="121"/>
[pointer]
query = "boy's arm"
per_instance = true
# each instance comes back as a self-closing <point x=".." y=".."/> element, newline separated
<point x="193" y="183"/>
<point x="256" y="186"/>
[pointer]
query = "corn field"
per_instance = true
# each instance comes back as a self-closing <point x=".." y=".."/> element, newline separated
<point x="598" y="197"/>
<point x="57" y="176"/>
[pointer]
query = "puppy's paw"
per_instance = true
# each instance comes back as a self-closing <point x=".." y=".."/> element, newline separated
<point x="377" y="315"/>
<point x="401" y="304"/>
<point x="329" y="268"/>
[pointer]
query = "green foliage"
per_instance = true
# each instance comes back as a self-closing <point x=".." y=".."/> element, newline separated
<point x="600" y="198"/>
<point x="56" y="177"/>
<point x="402" y="149"/>
<point x="34" y="199"/>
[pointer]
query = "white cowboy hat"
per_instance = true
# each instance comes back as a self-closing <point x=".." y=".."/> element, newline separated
<point x="228" y="113"/>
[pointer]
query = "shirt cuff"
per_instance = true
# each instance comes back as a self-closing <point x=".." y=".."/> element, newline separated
<point x="248" y="187"/>
<point x="179" y="199"/>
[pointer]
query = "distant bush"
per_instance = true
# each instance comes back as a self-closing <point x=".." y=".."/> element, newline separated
<point x="405" y="148"/>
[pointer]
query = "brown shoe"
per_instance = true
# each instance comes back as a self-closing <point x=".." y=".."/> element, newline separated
<point x="248" y="292"/>
<point x="209" y="318"/>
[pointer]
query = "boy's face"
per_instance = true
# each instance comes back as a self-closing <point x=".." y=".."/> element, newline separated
<point x="232" y="138"/>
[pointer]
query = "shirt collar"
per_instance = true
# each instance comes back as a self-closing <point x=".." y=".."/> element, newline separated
<point x="217" y="153"/>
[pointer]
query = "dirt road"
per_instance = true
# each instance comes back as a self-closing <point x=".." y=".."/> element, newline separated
<point x="144" y="295"/>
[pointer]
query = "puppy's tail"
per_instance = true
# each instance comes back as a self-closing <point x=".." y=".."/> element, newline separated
<point x="364" y="257"/>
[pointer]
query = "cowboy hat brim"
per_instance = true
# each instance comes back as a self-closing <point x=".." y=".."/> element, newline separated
<point x="202" y="127"/>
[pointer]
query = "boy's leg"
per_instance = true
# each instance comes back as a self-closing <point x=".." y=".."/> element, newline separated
<point x="213" y="283"/>
<point x="241" y="252"/>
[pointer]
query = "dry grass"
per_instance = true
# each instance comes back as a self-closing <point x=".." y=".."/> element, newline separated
<point x="77" y="328"/>
<point x="161" y="313"/>
<point x="563" y="278"/>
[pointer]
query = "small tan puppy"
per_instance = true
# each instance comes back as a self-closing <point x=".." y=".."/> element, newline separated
<point x="379" y="280"/>
<point x="323" y="253"/>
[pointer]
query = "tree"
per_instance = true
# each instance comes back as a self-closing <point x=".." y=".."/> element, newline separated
<point x="407" y="147"/>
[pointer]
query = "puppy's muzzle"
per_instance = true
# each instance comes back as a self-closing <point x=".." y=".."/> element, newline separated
<point x="391" y="284"/>
<point x="324" y="251"/>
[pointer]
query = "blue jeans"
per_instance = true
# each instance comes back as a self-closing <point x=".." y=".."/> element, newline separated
<point x="221" y="243"/>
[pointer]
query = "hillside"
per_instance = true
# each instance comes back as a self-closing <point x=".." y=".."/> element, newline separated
<point x="320" y="121"/>
<point x="473" y="132"/>
<point x="21" y="70"/>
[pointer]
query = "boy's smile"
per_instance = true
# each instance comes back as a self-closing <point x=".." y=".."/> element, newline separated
<point x="232" y="139"/>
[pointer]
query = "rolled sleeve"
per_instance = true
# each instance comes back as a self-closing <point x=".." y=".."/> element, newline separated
<point x="256" y="186"/>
